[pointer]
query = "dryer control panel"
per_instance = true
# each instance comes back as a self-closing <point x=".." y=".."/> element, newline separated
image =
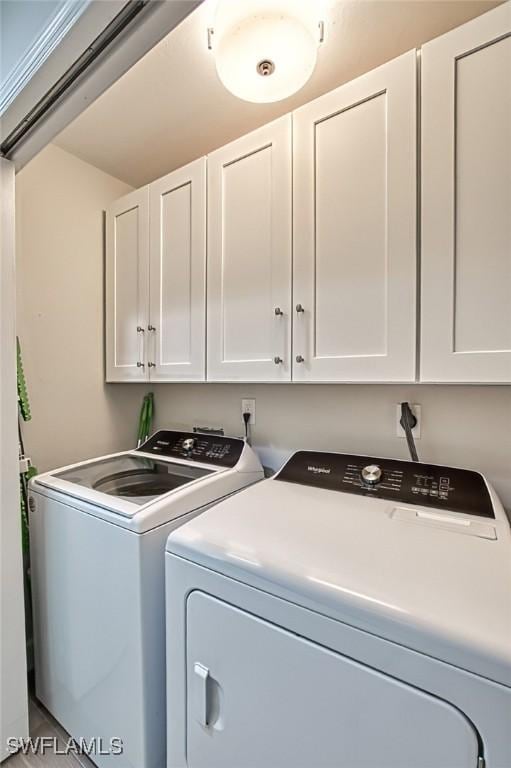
<point x="195" y="446"/>
<point x="427" y="485"/>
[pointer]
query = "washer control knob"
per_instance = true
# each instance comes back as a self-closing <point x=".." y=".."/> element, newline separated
<point x="372" y="474"/>
<point x="189" y="444"/>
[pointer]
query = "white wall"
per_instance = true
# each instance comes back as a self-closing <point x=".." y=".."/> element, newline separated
<point x="463" y="426"/>
<point x="59" y="248"/>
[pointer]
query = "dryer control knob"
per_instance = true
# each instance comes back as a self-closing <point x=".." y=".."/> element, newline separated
<point x="372" y="474"/>
<point x="189" y="444"/>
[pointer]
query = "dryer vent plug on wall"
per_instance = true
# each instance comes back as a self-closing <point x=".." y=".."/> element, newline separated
<point x="408" y="421"/>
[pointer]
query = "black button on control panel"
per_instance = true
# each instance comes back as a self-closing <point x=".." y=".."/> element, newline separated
<point x="194" y="446"/>
<point x="427" y="485"/>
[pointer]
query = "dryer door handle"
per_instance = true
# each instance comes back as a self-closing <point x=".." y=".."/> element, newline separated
<point x="200" y="684"/>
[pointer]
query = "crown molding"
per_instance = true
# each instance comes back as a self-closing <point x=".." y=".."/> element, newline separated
<point x="66" y="14"/>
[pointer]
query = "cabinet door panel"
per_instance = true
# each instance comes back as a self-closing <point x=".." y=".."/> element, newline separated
<point x="466" y="225"/>
<point x="178" y="273"/>
<point x="350" y="232"/>
<point x="249" y="256"/>
<point x="127" y="287"/>
<point x="355" y="229"/>
<point x="261" y="697"/>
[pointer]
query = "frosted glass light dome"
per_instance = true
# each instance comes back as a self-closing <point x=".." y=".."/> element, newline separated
<point x="266" y="56"/>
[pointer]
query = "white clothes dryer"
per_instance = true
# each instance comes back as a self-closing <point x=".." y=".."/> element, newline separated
<point x="351" y="612"/>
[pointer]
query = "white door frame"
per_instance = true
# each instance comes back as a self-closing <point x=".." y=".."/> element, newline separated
<point x="13" y="664"/>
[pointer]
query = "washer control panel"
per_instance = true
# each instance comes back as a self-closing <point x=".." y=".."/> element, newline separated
<point x="427" y="485"/>
<point x="194" y="446"/>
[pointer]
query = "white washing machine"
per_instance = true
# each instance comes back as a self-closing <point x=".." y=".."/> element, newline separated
<point x="350" y="612"/>
<point x="97" y="538"/>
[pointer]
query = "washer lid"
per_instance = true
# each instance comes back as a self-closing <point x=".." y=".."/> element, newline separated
<point x="125" y="482"/>
<point x="433" y="580"/>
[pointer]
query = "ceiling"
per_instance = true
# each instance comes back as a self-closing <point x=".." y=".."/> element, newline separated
<point x="170" y="108"/>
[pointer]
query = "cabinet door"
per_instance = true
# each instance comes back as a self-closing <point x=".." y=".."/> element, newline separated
<point x="127" y="287"/>
<point x="176" y="330"/>
<point x="258" y="696"/>
<point x="466" y="202"/>
<point x="249" y="257"/>
<point x="355" y="229"/>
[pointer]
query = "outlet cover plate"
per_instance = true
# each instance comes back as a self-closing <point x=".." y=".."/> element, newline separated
<point x="248" y="405"/>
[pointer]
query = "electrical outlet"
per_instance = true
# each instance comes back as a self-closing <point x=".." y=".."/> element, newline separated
<point x="416" y="431"/>
<point x="248" y="406"/>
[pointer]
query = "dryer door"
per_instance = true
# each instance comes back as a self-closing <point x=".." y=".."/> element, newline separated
<point x="261" y="697"/>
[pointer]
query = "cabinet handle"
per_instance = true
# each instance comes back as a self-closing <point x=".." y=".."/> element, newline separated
<point x="140" y="365"/>
<point x="300" y="359"/>
<point x="278" y="311"/>
<point x="140" y="329"/>
<point x="299" y="308"/>
<point x="277" y="360"/>
<point x="152" y="328"/>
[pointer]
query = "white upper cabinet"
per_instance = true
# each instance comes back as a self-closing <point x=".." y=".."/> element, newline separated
<point x="176" y="330"/>
<point x="355" y="229"/>
<point x="249" y="257"/>
<point x="127" y="287"/>
<point x="311" y="231"/>
<point x="466" y="202"/>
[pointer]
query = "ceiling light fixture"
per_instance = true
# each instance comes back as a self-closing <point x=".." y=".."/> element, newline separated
<point x="265" y="50"/>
